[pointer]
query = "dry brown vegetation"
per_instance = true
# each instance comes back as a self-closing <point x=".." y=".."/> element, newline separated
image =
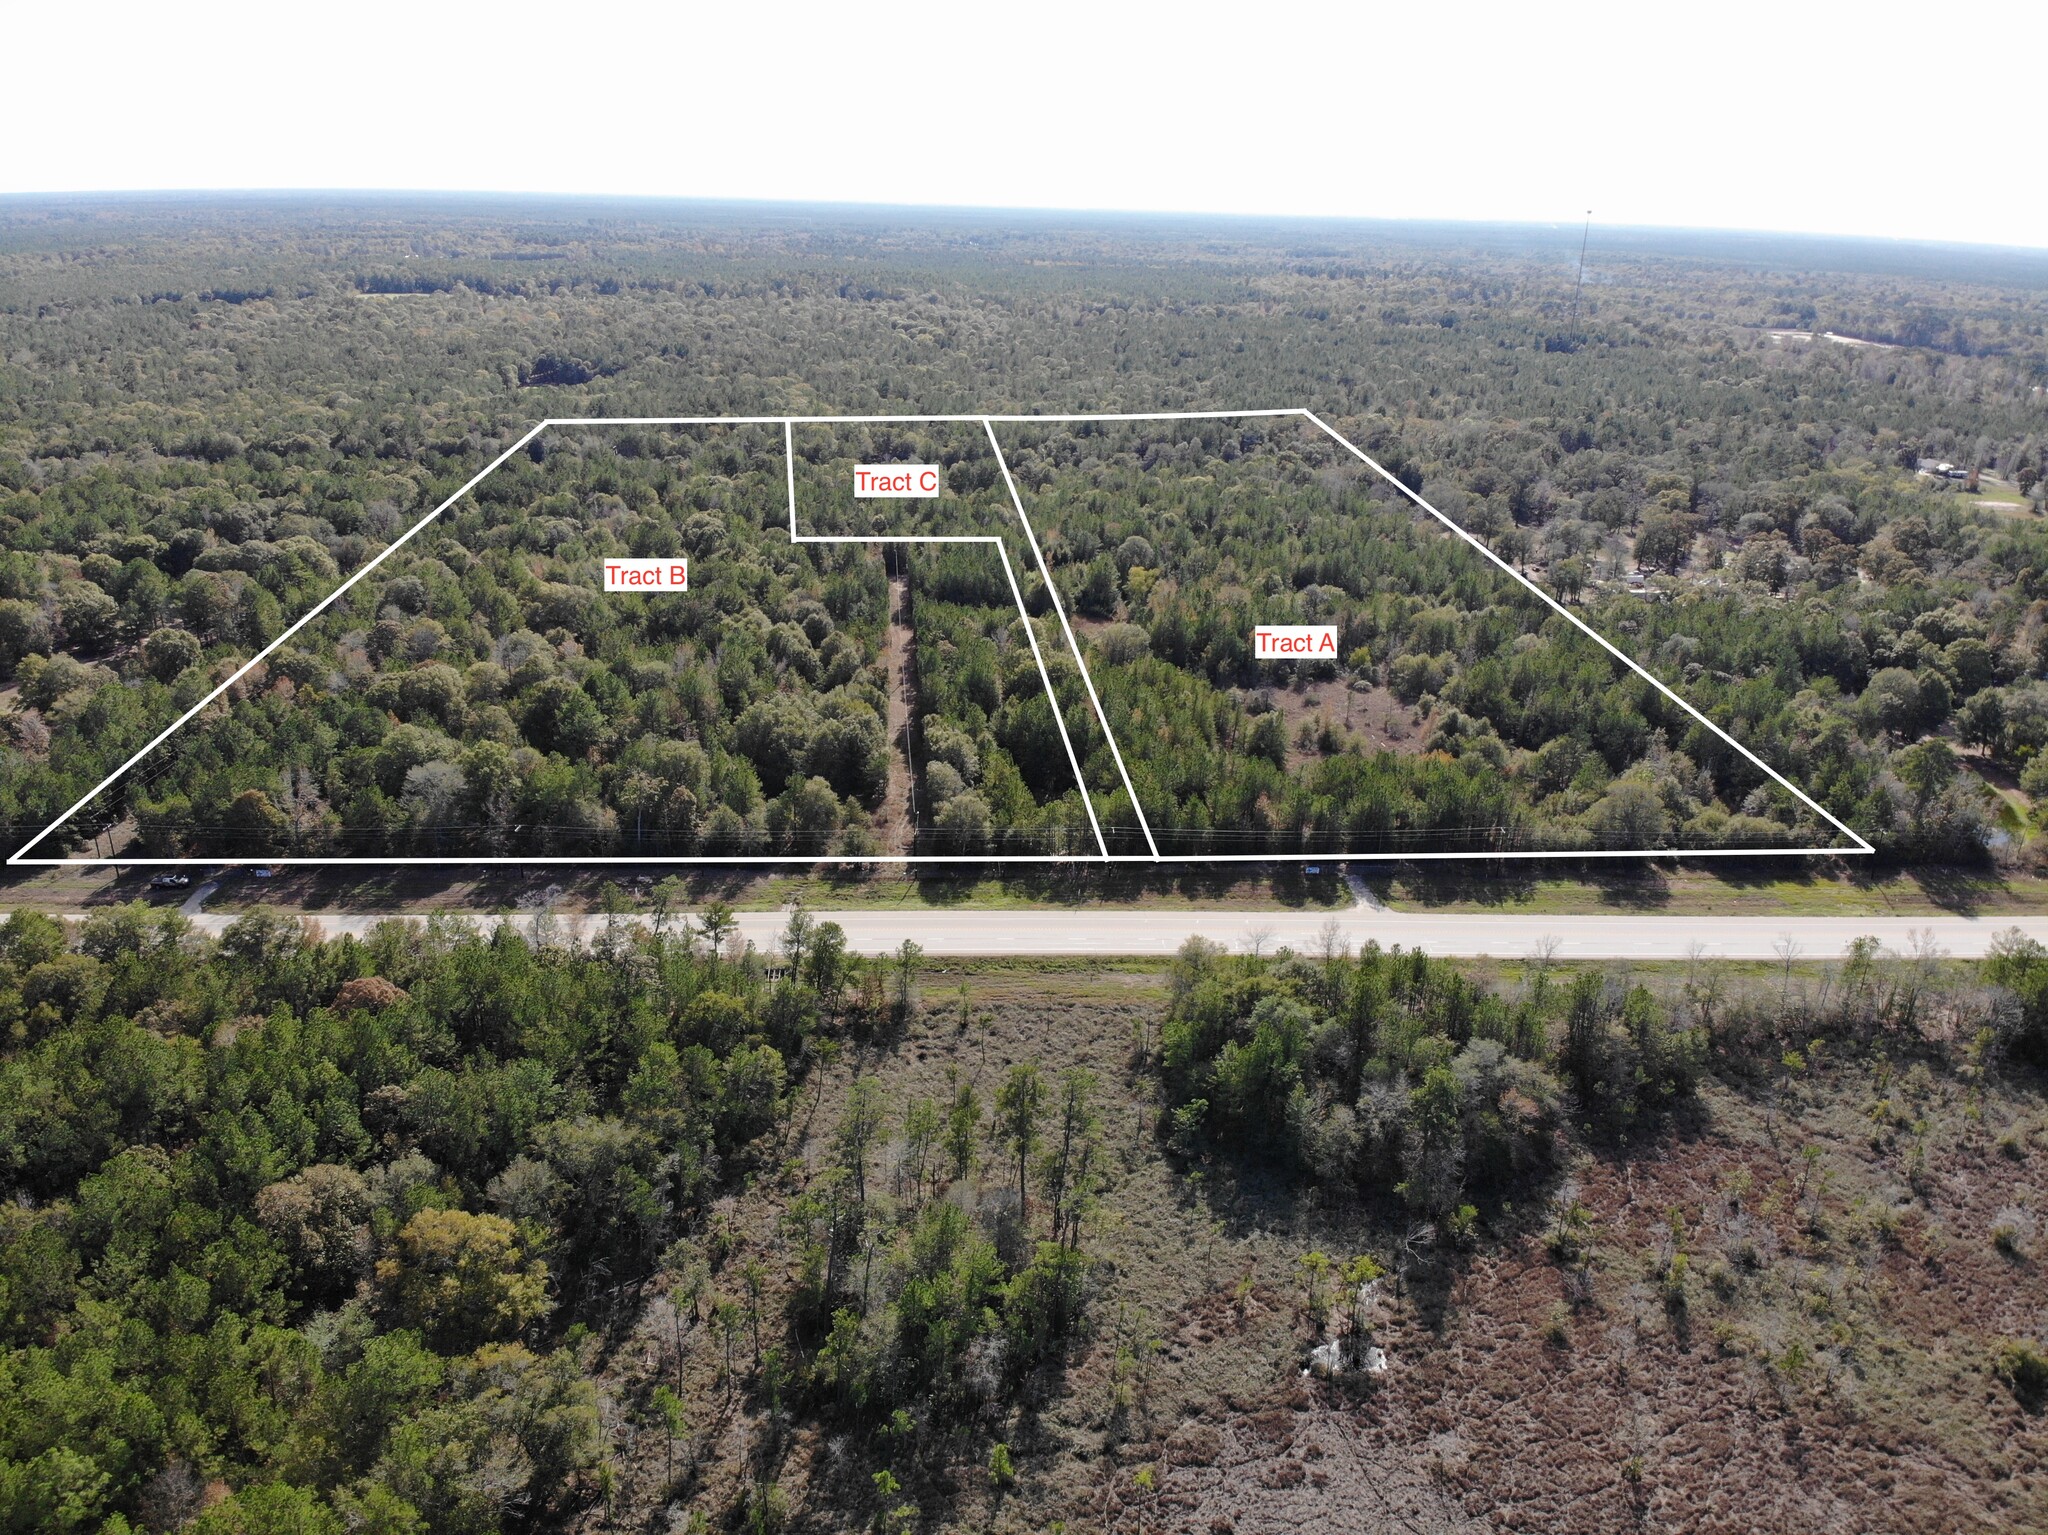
<point x="1780" y="1313"/>
<point x="1376" y="718"/>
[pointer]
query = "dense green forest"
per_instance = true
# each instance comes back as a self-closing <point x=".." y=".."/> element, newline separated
<point x="976" y="501"/>
<point x="475" y="693"/>
<point x="209" y="414"/>
<point x="1501" y="727"/>
<point x="299" y="1214"/>
<point x="992" y="767"/>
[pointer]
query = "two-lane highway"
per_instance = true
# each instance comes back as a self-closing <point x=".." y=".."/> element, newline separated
<point x="1085" y="930"/>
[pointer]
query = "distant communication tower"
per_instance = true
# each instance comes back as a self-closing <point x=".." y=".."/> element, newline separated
<point x="1584" y="235"/>
<point x="1569" y="339"/>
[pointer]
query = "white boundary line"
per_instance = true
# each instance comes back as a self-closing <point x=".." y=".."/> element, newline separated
<point x="1052" y="590"/>
<point x="20" y="857"/>
<point x="1052" y="699"/>
<point x="1141" y="415"/>
<point x="812" y="860"/>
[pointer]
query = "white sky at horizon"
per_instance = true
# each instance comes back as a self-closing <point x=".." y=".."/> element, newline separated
<point x="1869" y="120"/>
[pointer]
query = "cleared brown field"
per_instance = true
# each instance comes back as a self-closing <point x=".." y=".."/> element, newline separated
<point x="1823" y="1359"/>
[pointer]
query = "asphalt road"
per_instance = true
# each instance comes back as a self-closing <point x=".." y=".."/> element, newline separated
<point x="1086" y="931"/>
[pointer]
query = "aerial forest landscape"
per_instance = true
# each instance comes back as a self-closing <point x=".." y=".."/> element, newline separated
<point x="446" y="1084"/>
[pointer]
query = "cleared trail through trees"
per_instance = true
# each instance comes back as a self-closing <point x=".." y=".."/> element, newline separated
<point x="896" y="821"/>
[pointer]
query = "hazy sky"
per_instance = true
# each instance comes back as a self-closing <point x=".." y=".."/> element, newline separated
<point x="1840" y="119"/>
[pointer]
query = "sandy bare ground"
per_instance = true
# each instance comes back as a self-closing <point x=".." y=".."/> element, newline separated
<point x="1374" y="720"/>
<point x="895" y="823"/>
<point x="1806" y="335"/>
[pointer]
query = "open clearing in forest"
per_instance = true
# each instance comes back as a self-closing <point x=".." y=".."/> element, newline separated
<point x="1168" y="758"/>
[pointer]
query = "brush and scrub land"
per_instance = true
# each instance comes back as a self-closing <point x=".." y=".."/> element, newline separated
<point x="648" y="1232"/>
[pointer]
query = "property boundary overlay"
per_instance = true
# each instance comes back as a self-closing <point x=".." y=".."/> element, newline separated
<point x="987" y="420"/>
